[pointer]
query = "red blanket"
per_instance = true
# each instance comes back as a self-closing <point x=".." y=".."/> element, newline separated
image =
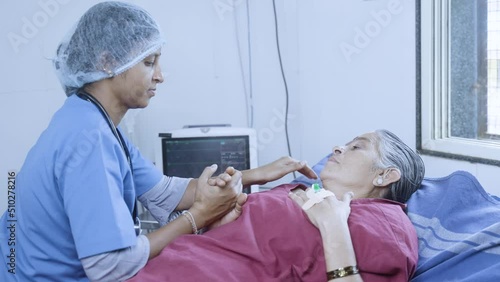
<point x="274" y="241"/>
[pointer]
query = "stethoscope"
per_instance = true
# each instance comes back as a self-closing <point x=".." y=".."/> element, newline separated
<point x="86" y="96"/>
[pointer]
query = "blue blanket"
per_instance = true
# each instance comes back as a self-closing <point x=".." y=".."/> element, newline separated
<point x="458" y="227"/>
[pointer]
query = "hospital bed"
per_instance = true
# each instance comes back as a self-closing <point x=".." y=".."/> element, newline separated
<point x="458" y="228"/>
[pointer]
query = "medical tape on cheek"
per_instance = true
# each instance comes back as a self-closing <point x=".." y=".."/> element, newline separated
<point x="315" y="197"/>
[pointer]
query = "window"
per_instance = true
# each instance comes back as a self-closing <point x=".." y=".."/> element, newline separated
<point x="458" y="79"/>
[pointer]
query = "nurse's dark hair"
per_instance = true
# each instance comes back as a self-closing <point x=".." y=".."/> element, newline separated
<point x="394" y="153"/>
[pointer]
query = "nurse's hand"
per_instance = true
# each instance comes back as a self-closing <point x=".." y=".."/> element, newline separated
<point x="277" y="170"/>
<point x="222" y="180"/>
<point x="233" y="214"/>
<point x="212" y="202"/>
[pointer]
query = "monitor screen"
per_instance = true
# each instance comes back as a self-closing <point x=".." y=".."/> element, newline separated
<point x="188" y="156"/>
<point x="186" y="152"/>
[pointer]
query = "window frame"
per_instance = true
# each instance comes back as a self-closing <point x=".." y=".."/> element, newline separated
<point x="432" y="78"/>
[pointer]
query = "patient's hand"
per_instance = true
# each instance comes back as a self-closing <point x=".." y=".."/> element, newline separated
<point x="328" y="211"/>
<point x="278" y="169"/>
<point x="224" y="179"/>
<point x="233" y="214"/>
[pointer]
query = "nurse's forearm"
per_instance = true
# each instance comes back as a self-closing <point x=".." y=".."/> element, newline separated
<point x="338" y="248"/>
<point x="118" y="265"/>
<point x="160" y="238"/>
<point x="187" y="199"/>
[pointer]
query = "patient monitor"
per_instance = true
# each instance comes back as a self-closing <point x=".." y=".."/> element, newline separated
<point x="186" y="152"/>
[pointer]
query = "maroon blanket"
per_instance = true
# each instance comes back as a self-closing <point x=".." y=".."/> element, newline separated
<point x="274" y="241"/>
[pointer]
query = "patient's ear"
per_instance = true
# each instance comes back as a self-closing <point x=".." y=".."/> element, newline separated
<point x="387" y="177"/>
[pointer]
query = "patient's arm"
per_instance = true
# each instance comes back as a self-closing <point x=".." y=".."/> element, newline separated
<point x="337" y="240"/>
<point x="259" y="175"/>
<point x="330" y="217"/>
<point x="276" y="170"/>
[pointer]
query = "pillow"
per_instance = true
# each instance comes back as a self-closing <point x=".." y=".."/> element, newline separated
<point x="458" y="228"/>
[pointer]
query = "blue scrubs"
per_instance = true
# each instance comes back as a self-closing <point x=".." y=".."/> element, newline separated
<point x="75" y="194"/>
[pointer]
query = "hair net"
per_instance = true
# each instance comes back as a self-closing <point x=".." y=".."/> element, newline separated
<point x="109" y="38"/>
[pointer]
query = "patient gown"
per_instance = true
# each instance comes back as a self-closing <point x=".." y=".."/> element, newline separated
<point x="273" y="240"/>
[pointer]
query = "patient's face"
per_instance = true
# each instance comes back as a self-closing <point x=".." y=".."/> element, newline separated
<point x="352" y="167"/>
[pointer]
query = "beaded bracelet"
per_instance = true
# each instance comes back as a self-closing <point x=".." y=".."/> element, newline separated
<point x="190" y="218"/>
<point x="342" y="272"/>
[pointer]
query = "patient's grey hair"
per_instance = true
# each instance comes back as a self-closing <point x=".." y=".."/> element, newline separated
<point x="394" y="153"/>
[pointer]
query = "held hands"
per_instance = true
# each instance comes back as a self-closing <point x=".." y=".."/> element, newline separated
<point x="222" y="181"/>
<point x="280" y="168"/>
<point x="225" y="179"/>
<point x="233" y="214"/>
<point x="326" y="212"/>
<point x="215" y="197"/>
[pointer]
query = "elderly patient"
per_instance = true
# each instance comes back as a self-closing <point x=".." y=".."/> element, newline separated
<point x="359" y="228"/>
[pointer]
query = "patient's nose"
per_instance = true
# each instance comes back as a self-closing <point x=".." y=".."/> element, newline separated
<point x="338" y="150"/>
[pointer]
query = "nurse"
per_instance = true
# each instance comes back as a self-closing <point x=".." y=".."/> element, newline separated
<point x="76" y="192"/>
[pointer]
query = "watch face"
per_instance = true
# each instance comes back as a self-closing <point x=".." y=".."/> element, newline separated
<point x="342" y="273"/>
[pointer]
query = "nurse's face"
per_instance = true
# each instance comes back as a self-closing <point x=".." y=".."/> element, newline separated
<point x="352" y="167"/>
<point x="136" y="86"/>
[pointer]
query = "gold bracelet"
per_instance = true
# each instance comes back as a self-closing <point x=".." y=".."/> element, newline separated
<point x="342" y="272"/>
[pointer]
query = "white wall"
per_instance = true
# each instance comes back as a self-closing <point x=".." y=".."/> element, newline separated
<point x="334" y="95"/>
